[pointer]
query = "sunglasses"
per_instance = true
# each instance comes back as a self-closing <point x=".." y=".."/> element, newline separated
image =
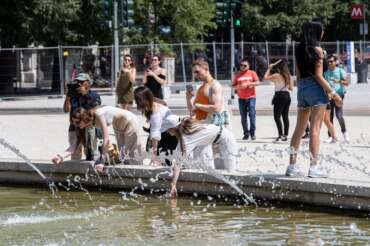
<point x="244" y="65"/>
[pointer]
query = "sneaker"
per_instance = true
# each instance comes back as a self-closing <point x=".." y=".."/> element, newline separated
<point x="306" y="135"/>
<point x="328" y="140"/>
<point x="316" y="171"/>
<point x="346" y="137"/>
<point x="245" y="137"/>
<point x="293" y="171"/>
<point x="253" y="137"/>
<point x="278" y="139"/>
<point x="284" y="138"/>
<point x="334" y="140"/>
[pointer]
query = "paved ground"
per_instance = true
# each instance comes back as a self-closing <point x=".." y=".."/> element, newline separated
<point x="357" y="101"/>
<point x="42" y="132"/>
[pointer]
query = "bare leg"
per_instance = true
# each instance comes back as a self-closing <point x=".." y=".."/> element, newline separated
<point x="329" y="124"/>
<point x="302" y="120"/>
<point x="317" y="116"/>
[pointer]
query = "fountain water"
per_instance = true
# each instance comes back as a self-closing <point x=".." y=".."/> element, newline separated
<point x="19" y="154"/>
<point x="16" y="151"/>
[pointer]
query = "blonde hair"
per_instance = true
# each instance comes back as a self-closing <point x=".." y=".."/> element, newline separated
<point x="187" y="126"/>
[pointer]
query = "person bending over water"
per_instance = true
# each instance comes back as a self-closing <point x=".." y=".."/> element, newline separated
<point x="125" y="125"/>
<point x="196" y="140"/>
<point x="157" y="113"/>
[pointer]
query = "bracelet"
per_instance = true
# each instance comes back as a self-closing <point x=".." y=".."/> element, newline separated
<point x="331" y="93"/>
<point x="61" y="157"/>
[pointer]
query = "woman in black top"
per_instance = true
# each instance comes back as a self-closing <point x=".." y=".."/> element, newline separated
<point x="313" y="95"/>
<point x="155" y="77"/>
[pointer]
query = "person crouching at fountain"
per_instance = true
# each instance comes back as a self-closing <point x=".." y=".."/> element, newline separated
<point x="125" y="125"/>
<point x="157" y="113"/>
<point x="196" y="141"/>
<point x="79" y="94"/>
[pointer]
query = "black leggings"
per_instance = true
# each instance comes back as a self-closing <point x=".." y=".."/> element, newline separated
<point x="281" y="109"/>
<point x="338" y="114"/>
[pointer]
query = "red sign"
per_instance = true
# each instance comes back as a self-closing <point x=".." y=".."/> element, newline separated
<point x="357" y="11"/>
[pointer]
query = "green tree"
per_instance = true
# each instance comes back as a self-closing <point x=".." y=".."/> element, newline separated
<point x="189" y="21"/>
<point x="51" y="21"/>
<point x="274" y="20"/>
<point x="14" y="27"/>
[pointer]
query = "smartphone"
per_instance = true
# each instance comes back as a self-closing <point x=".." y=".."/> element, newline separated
<point x="189" y="88"/>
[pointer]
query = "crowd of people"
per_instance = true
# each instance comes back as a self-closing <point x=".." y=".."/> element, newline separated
<point x="204" y="139"/>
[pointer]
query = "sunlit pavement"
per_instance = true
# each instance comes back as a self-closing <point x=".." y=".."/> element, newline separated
<point x="39" y="137"/>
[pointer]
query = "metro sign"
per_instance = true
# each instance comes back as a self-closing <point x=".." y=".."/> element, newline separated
<point x="357" y="11"/>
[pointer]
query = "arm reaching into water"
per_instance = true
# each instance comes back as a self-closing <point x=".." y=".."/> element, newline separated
<point x="176" y="174"/>
<point x="59" y="158"/>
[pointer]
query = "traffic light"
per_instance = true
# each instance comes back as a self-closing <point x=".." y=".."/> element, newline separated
<point x="127" y="13"/>
<point x="238" y="15"/>
<point x="222" y="13"/>
<point x="105" y="12"/>
<point x="224" y="10"/>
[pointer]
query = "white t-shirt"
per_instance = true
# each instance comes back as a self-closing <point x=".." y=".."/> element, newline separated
<point x="161" y="121"/>
<point x="110" y="113"/>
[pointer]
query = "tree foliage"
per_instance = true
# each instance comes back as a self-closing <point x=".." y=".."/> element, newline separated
<point x="274" y="20"/>
<point x="76" y="22"/>
<point x="189" y="21"/>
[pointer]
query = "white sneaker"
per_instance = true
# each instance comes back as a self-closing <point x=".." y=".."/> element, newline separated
<point x="334" y="140"/>
<point x="346" y="137"/>
<point x="293" y="171"/>
<point x="328" y="140"/>
<point x="316" y="171"/>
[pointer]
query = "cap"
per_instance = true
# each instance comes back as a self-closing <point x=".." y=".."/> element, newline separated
<point x="169" y="122"/>
<point x="83" y="77"/>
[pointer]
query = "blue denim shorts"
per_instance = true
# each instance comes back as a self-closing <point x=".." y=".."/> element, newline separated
<point x="310" y="93"/>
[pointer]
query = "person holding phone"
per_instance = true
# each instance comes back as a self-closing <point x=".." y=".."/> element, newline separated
<point x="125" y="83"/>
<point x="155" y="77"/>
<point x="79" y="95"/>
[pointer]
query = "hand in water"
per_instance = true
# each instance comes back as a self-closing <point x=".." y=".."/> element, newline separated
<point x="99" y="167"/>
<point x="173" y="192"/>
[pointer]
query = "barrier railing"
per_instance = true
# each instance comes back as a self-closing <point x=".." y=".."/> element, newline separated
<point x="46" y="70"/>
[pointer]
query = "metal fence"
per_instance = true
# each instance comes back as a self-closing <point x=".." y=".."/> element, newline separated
<point x="47" y="70"/>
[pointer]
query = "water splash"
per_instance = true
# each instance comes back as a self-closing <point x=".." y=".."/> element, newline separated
<point x="19" y="154"/>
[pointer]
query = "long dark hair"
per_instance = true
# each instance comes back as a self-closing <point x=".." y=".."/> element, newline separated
<point x="311" y="37"/>
<point x="283" y="69"/>
<point x="144" y="100"/>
